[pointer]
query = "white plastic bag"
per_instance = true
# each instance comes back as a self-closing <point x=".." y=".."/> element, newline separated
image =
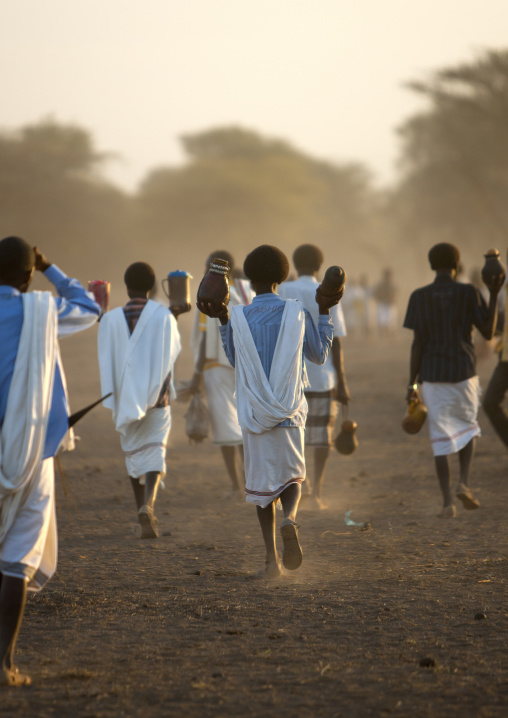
<point x="197" y="420"/>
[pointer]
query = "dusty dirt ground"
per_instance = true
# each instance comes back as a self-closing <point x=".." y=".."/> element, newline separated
<point x="182" y="627"/>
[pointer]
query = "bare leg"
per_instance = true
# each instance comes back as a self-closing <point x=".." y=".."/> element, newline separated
<point x="266" y="518"/>
<point x="139" y="492"/>
<point x="12" y="606"/>
<point x="146" y="515"/>
<point x="228" y="454"/>
<point x="152" y="483"/>
<point x="290" y="498"/>
<point x="464" y="493"/>
<point x="443" y="474"/>
<point x="465" y="460"/>
<point x="321" y="454"/>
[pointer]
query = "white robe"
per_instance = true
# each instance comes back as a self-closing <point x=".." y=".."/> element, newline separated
<point x="265" y="402"/>
<point x="218" y="374"/>
<point x="134" y="367"/>
<point x="274" y="456"/>
<point x="22" y="441"/>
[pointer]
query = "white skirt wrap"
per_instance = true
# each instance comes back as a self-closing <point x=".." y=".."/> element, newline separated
<point x="29" y="549"/>
<point x="144" y="443"/>
<point x="273" y="460"/>
<point x="452" y="414"/>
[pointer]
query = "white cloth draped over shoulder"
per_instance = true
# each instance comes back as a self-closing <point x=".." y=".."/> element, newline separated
<point x="134" y="367"/>
<point x="263" y="402"/>
<point x="28" y="406"/>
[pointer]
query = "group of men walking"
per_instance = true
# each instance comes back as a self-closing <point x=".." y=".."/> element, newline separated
<point x="271" y="365"/>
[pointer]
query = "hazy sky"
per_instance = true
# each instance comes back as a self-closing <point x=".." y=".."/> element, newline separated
<point x="324" y="74"/>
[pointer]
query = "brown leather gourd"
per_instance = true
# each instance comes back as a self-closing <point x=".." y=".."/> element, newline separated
<point x="493" y="266"/>
<point x="346" y="441"/>
<point x="214" y="287"/>
<point x="333" y="281"/>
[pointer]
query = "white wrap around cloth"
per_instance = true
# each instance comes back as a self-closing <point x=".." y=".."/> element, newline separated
<point x="134" y="367"/>
<point x="274" y="455"/>
<point x="452" y="414"/>
<point x="28" y="542"/>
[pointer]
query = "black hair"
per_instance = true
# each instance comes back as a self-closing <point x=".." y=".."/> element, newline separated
<point x="16" y="258"/>
<point x="222" y="254"/>
<point x="140" y="277"/>
<point x="266" y="264"/>
<point x="444" y="256"/>
<point x="308" y="256"/>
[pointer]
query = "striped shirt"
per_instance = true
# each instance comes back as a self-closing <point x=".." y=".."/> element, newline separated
<point x="443" y="314"/>
<point x="264" y="317"/>
<point x="132" y="312"/>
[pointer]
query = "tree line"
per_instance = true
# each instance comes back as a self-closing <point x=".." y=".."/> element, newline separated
<point x="238" y="189"/>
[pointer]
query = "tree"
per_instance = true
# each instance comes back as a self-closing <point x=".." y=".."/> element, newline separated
<point x="239" y="189"/>
<point x="455" y="156"/>
<point x="52" y="194"/>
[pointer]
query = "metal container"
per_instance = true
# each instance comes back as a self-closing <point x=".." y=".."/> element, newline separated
<point x="178" y="288"/>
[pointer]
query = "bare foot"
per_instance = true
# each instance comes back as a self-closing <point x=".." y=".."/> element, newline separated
<point x="448" y="512"/>
<point x="313" y="503"/>
<point x="148" y="523"/>
<point x="271" y="570"/>
<point x="465" y="494"/>
<point x="14" y="678"/>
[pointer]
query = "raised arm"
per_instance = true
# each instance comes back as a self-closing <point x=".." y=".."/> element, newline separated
<point x="76" y="308"/>
<point x="488" y="327"/>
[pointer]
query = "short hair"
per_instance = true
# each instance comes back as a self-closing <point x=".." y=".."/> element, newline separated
<point x="222" y="254"/>
<point x="444" y="256"/>
<point x="16" y="258"/>
<point x="140" y="277"/>
<point x="308" y="256"/>
<point x="266" y="264"/>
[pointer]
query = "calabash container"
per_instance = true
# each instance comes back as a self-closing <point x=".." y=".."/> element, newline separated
<point x="493" y="266"/>
<point x="214" y="287"/>
<point x="333" y="281"/>
<point x="100" y="289"/>
<point x="414" y="417"/>
<point x="346" y="441"/>
<point x="178" y="288"/>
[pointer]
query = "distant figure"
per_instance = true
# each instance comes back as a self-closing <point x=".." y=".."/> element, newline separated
<point x="385" y="295"/>
<point x="352" y="306"/>
<point x="266" y="342"/>
<point x="138" y="346"/>
<point x="34" y="422"/>
<point x="442" y="316"/>
<point x="213" y="371"/>
<point x="327" y="381"/>
<point x="498" y="385"/>
<point x="369" y="306"/>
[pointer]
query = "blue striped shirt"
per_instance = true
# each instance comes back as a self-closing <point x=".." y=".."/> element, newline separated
<point x="444" y="314"/>
<point x="264" y="318"/>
